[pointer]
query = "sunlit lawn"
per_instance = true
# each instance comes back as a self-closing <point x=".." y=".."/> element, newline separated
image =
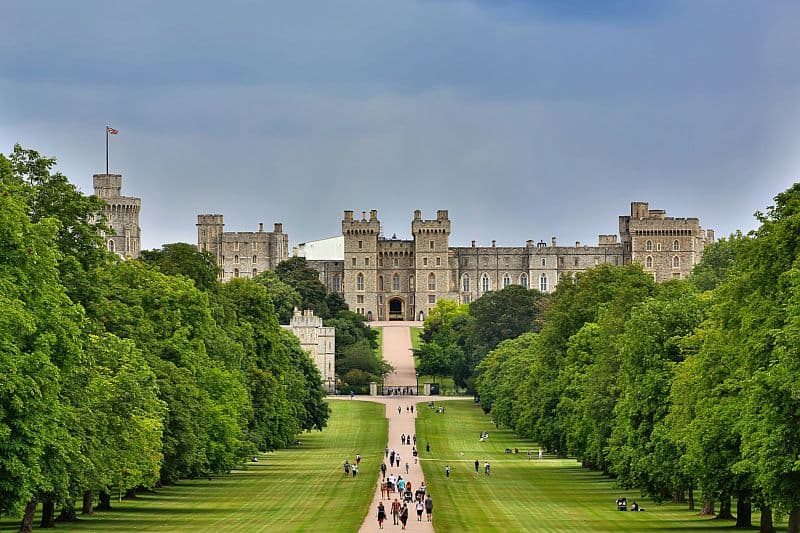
<point x="301" y="489"/>
<point x="521" y="495"/>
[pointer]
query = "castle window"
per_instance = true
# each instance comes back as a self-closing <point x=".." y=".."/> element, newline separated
<point x="465" y="283"/>
<point x="431" y="243"/>
<point x="255" y="259"/>
<point x="255" y="272"/>
<point x="676" y="275"/>
<point x="431" y="298"/>
<point x="658" y="247"/>
<point x="360" y="244"/>
<point x="235" y="259"/>
<point x="395" y="262"/>
<point x="424" y="261"/>
<point x="354" y="261"/>
<point x="544" y="261"/>
<point x="649" y="246"/>
<point x="336" y="283"/>
<point x="523" y="280"/>
<point x="465" y="299"/>
<point x="506" y="280"/>
<point x="676" y="262"/>
<point x="648" y="263"/>
<point x="576" y="261"/>
<point x="485" y="283"/>
<point x="380" y="283"/>
<point x="411" y="285"/>
<point x="380" y="301"/>
<point x="111" y="245"/>
<point x="543" y="283"/>
<point x="438" y="261"/>
<point x="676" y="245"/>
<point x="360" y="282"/>
<point x="360" y="299"/>
<point x="431" y="282"/>
<point x="366" y="261"/>
<point x="396" y="282"/>
<point x="236" y="246"/>
<point x="235" y="272"/>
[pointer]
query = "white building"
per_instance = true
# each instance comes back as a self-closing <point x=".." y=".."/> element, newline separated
<point x="320" y="343"/>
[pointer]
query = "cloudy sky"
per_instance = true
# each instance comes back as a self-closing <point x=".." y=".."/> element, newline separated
<point x="526" y="119"/>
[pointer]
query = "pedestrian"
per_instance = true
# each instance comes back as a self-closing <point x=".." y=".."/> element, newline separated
<point x="403" y="439"/>
<point x="386" y="452"/>
<point x="404" y="515"/>
<point x="412" y="408"/>
<point x="397" y="458"/>
<point x="399" y="410"/>
<point x="346" y="468"/>
<point x="429" y="507"/>
<point x="529" y="454"/>
<point x="486" y="468"/>
<point x="391" y="458"/>
<point x="419" y="511"/>
<point x="541" y="452"/>
<point x="406" y="468"/>
<point x="355" y="471"/>
<point x="383" y="470"/>
<point x="447" y="471"/>
<point x="351" y="394"/>
<point x="428" y="447"/>
<point x="401" y="485"/>
<point x="395" y="511"/>
<point x="358" y="458"/>
<point x="381" y="515"/>
<point x="407" y="409"/>
<point x="415" y="439"/>
<point x="477" y="465"/>
<point x="383" y="490"/>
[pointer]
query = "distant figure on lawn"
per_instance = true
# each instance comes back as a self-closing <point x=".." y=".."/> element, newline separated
<point x="354" y="469"/>
<point x="486" y="468"/>
<point x="346" y="468"/>
<point x="447" y="471"/>
<point x="358" y="458"/>
<point x="477" y="465"/>
<point x="428" y="447"/>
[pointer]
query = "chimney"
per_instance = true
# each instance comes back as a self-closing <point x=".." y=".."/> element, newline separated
<point x="348" y="216"/>
<point x="494" y="243"/>
<point x="529" y="242"/>
<point x="417" y="214"/>
<point x="441" y="214"/>
<point x="373" y="215"/>
<point x="278" y="227"/>
<point x="553" y="241"/>
<point x="363" y="215"/>
<point x="473" y="244"/>
<point x="577" y="244"/>
<point x="261" y="227"/>
<point x="709" y="236"/>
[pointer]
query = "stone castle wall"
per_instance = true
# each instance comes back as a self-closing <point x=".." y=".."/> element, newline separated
<point x="121" y="214"/>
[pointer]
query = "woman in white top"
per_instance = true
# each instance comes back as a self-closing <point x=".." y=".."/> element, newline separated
<point x="420" y="508"/>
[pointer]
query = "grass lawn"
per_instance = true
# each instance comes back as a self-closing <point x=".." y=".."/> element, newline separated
<point x="415" y="340"/>
<point x="301" y="489"/>
<point x="521" y="495"/>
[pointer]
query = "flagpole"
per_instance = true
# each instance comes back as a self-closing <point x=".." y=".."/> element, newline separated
<point x="106" y="149"/>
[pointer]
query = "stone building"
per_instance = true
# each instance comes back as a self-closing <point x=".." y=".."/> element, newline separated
<point x="241" y="253"/>
<point x="121" y="214"/>
<point x="320" y="343"/>
<point x="393" y="279"/>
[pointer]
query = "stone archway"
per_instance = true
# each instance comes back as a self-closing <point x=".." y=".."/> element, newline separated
<point x="396" y="309"/>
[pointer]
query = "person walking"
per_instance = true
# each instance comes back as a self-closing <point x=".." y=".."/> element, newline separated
<point x="529" y="454"/>
<point x="419" y="510"/>
<point x="397" y="458"/>
<point x="447" y="471"/>
<point x="399" y="411"/>
<point x="358" y="458"/>
<point x="355" y="471"/>
<point x="396" y="511"/>
<point x="404" y="515"/>
<point x="406" y="468"/>
<point x="381" y="515"/>
<point x="386" y="452"/>
<point x="383" y="490"/>
<point x="477" y="465"/>
<point x="541" y="453"/>
<point x="428" y="506"/>
<point x="486" y="468"/>
<point x="346" y="468"/>
<point x="391" y="458"/>
<point x="428" y="447"/>
<point x="412" y="408"/>
<point x="415" y="439"/>
<point x="403" y="439"/>
<point x="383" y="470"/>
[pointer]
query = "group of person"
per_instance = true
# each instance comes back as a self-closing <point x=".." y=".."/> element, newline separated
<point x="352" y="467"/>
<point x="400" y="509"/>
<point x="397" y="391"/>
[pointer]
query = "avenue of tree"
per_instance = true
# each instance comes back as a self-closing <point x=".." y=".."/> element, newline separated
<point x="121" y="375"/>
<point x="681" y="388"/>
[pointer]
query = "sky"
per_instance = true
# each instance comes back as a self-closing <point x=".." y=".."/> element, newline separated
<point x="524" y="119"/>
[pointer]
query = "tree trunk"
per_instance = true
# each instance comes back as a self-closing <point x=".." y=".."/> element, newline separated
<point x="88" y="502"/>
<point x="794" y="521"/>
<point x="744" y="512"/>
<point x="27" y="517"/>
<point x="130" y="494"/>
<point x="679" y="497"/>
<point x="105" y="501"/>
<point x="708" y="507"/>
<point x="725" y="508"/>
<point x="48" y="514"/>
<point x="766" y="520"/>
<point x="691" y="499"/>
<point x="68" y="513"/>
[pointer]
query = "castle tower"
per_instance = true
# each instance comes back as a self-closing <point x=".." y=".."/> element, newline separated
<point x="209" y="235"/>
<point x="431" y="251"/>
<point x="121" y="214"/>
<point x="360" y="262"/>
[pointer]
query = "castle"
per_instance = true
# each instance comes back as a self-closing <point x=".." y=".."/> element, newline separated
<point x="393" y="279"/>
<point x="241" y="253"/>
<point x="320" y="343"/>
<point x="121" y="214"/>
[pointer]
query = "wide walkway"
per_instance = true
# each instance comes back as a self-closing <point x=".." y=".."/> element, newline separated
<point x="397" y="351"/>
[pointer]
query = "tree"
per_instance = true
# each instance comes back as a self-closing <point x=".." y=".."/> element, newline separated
<point x="296" y="273"/>
<point x="284" y="297"/>
<point x="181" y="259"/>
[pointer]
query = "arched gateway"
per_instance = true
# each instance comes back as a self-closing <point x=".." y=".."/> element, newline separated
<point x="396" y="311"/>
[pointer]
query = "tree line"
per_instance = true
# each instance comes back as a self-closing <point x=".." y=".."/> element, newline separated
<point x="684" y="387"/>
<point x="123" y="375"/>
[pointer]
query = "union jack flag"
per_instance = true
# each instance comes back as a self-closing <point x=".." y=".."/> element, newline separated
<point x="111" y="130"/>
